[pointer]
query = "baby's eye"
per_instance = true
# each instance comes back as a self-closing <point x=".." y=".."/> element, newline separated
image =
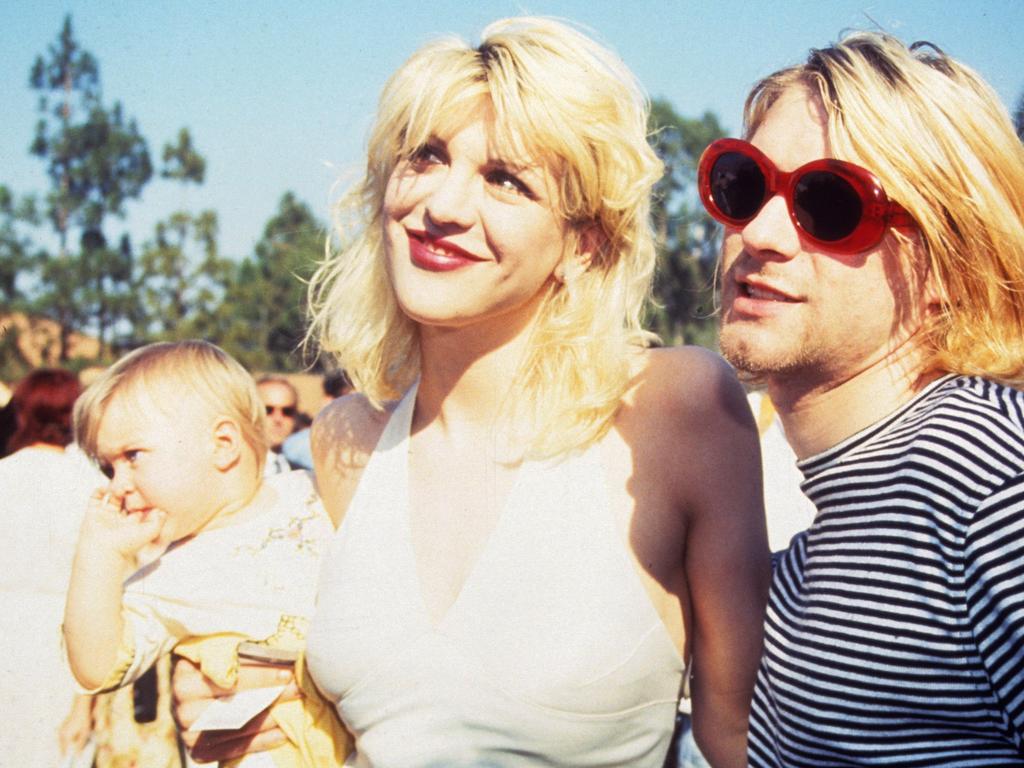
<point x="131" y="455"/>
<point x="107" y="470"/>
<point x="507" y="181"/>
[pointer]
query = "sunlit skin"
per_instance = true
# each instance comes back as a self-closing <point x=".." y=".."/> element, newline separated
<point x="471" y="234"/>
<point x="812" y="324"/>
<point x="146" y="459"/>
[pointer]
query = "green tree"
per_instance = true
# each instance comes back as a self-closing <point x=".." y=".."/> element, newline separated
<point x="262" y="320"/>
<point x="683" y="296"/>
<point x="96" y="160"/>
<point x="180" y="276"/>
<point x="18" y="256"/>
<point x="182" y="162"/>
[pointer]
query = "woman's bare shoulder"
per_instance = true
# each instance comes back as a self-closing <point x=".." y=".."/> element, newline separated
<point x="686" y="409"/>
<point x="689" y="384"/>
<point x="350" y="421"/>
<point x="343" y="437"/>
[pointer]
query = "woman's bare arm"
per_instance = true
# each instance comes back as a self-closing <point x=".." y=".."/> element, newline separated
<point x="701" y="436"/>
<point x="728" y="568"/>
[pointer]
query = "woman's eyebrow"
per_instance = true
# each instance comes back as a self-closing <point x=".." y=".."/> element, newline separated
<point x="515" y="166"/>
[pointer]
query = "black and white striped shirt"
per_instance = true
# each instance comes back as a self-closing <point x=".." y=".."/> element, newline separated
<point x="895" y="626"/>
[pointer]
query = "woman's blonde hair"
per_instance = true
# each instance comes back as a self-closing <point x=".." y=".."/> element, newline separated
<point x="162" y="375"/>
<point x="944" y="147"/>
<point x="561" y="98"/>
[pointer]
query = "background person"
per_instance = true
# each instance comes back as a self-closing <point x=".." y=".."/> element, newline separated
<point x="7" y="424"/>
<point x="281" y="401"/>
<point x="880" y="301"/>
<point x="296" y="448"/>
<point x="44" y="483"/>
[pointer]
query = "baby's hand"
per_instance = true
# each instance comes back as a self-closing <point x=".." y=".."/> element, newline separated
<point x="108" y="526"/>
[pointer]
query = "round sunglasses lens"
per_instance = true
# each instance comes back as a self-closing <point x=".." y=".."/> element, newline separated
<point x="737" y="186"/>
<point x="826" y="205"/>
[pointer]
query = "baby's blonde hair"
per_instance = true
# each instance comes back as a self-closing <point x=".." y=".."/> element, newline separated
<point x="561" y="98"/>
<point x="944" y="147"/>
<point x="166" y="373"/>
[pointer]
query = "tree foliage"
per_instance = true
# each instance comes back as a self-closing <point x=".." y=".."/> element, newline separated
<point x="182" y="162"/>
<point x="180" y="277"/>
<point x="96" y="159"/>
<point x="17" y="253"/>
<point x="683" y="301"/>
<point x="267" y="300"/>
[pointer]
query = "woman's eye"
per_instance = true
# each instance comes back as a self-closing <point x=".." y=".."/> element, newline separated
<point x="509" y="182"/>
<point x="426" y="155"/>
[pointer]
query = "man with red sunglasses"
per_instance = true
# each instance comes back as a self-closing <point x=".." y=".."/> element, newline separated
<point x="873" y="280"/>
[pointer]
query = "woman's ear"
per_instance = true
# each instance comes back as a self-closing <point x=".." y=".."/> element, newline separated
<point x="588" y="242"/>
<point x="227" y="443"/>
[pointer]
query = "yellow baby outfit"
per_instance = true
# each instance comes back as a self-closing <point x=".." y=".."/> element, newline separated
<point x="316" y="736"/>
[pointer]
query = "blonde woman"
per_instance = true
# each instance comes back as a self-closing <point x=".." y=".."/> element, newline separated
<point x="543" y="522"/>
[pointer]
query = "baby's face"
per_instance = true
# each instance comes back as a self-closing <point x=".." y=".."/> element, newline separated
<point x="159" y="461"/>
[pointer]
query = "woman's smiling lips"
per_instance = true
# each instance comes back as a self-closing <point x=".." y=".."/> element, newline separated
<point x="437" y="255"/>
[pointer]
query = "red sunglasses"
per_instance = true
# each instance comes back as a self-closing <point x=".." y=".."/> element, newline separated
<point x="836" y="205"/>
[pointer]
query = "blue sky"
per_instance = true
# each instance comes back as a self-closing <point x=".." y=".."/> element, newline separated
<point x="279" y="95"/>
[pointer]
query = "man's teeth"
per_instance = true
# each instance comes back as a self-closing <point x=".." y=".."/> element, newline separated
<point x="761" y="293"/>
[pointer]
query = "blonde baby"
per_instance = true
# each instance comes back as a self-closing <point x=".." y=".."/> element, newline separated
<point x="188" y="548"/>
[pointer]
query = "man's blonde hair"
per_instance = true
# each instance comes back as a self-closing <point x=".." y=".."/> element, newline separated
<point x="944" y="147"/>
<point x="162" y="375"/>
<point x="558" y="97"/>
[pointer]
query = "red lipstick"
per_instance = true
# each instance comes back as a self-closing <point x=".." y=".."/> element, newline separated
<point x="437" y="255"/>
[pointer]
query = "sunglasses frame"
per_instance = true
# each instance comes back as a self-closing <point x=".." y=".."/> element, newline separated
<point x="878" y="211"/>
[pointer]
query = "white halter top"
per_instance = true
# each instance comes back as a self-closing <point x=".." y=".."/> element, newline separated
<point x="552" y="654"/>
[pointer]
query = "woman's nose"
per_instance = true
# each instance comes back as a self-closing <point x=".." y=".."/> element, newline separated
<point x="450" y="203"/>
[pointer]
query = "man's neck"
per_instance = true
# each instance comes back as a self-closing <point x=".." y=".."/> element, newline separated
<point x="819" y="416"/>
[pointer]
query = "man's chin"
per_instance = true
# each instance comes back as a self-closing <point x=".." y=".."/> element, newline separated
<point x="753" y="358"/>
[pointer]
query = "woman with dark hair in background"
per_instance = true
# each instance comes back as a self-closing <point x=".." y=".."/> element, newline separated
<point x="44" y="491"/>
<point x="45" y="483"/>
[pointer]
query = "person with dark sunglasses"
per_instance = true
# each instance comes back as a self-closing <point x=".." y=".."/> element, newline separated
<point x="873" y="280"/>
<point x="281" y="400"/>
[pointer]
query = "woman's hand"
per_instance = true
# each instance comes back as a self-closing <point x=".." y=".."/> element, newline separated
<point x="194" y="692"/>
<point x="74" y="732"/>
